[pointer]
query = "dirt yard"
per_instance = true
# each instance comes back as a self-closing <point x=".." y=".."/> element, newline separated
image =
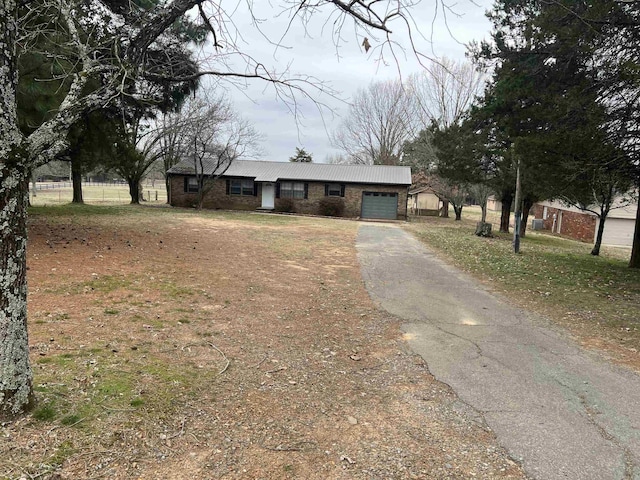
<point x="171" y="344"/>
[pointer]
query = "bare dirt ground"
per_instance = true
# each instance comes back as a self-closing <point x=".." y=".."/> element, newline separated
<point x="169" y="344"/>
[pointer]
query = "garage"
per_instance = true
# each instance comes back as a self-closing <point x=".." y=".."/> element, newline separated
<point x="618" y="231"/>
<point x="380" y="205"/>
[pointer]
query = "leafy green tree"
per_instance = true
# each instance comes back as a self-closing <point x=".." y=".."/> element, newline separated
<point x="301" y="156"/>
<point x="567" y="88"/>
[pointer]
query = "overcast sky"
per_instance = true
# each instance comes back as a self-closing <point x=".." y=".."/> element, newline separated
<point x="346" y="69"/>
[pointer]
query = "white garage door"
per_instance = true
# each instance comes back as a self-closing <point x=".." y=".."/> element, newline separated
<point x="380" y="205"/>
<point x="618" y="231"/>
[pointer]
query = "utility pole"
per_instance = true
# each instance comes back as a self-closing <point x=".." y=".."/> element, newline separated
<point x="518" y="210"/>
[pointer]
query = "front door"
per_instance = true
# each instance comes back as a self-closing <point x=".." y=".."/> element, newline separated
<point x="268" y="195"/>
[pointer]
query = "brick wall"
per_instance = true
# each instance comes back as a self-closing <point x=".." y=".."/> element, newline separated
<point x="218" y="198"/>
<point x="576" y="225"/>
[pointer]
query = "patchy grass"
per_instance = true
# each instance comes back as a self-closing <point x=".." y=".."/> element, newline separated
<point x="593" y="296"/>
<point x="170" y="343"/>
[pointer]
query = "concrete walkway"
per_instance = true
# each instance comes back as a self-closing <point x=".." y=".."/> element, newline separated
<point x="564" y="412"/>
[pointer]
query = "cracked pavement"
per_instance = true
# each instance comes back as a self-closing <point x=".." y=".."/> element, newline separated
<point x="564" y="412"/>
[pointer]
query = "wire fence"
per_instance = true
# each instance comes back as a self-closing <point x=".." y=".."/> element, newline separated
<point x="66" y="184"/>
<point x="53" y="193"/>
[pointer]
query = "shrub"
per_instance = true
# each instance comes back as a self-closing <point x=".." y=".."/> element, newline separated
<point x="285" y="205"/>
<point x="331" y="207"/>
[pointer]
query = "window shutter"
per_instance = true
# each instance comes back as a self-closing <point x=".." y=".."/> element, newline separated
<point x="306" y="191"/>
<point x="342" y="189"/>
<point x="278" y="190"/>
<point x="228" y="186"/>
<point x="326" y="189"/>
<point x="255" y="189"/>
<point x="186" y="184"/>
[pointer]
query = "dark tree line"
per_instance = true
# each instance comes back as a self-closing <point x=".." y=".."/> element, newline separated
<point x="561" y="104"/>
<point x="106" y="139"/>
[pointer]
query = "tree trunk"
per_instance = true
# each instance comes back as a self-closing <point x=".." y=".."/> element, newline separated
<point x="483" y="207"/>
<point x="526" y="208"/>
<point x="506" y="213"/>
<point x="167" y="185"/>
<point x="595" y="251"/>
<point x="483" y="229"/>
<point x="634" y="261"/>
<point x="445" y="209"/>
<point x="76" y="178"/>
<point x="134" y="190"/>
<point x="16" y="393"/>
<point x="458" y="210"/>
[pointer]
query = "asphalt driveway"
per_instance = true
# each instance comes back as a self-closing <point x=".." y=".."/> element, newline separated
<point x="564" y="412"/>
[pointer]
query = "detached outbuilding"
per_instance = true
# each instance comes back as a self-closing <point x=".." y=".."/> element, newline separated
<point x="365" y="191"/>
<point x="424" y="201"/>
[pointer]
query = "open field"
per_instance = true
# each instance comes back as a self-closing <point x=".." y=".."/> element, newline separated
<point x="61" y="193"/>
<point x="595" y="298"/>
<point x="174" y="344"/>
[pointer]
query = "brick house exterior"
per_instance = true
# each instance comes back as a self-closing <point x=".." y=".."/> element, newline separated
<point x="577" y="225"/>
<point x="572" y="222"/>
<point x="314" y="182"/>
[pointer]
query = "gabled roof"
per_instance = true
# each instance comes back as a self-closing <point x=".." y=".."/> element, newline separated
<point x="421" y="190"/>
<point x="322" y="172"/>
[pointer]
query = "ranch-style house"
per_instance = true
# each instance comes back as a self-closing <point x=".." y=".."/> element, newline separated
<point x="366" y="191"/>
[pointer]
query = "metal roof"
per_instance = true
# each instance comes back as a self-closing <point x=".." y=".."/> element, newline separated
<point x="262" y="171"/>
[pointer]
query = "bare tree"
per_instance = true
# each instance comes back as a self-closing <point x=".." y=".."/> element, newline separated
<point x="178" y="131"/>
<point x="443" y="93"/>
<point x="481" y="193"/>
<point x="172" y="143"/>
<point x="109" y="50"/>
<point x="216" y="136"/>
<point x="380" y="120"/>
<point x="445" y="90"/>
<point x="454" y="193"/>
<point x="336" y="159"/>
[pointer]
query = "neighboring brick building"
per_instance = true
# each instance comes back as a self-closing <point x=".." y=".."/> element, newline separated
<point x="573" y="224"/>
<point x="365" y="191"/>
<point x="580" y="225"/>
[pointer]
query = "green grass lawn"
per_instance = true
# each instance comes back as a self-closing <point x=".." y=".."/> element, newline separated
<point x="558" y="277"/>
